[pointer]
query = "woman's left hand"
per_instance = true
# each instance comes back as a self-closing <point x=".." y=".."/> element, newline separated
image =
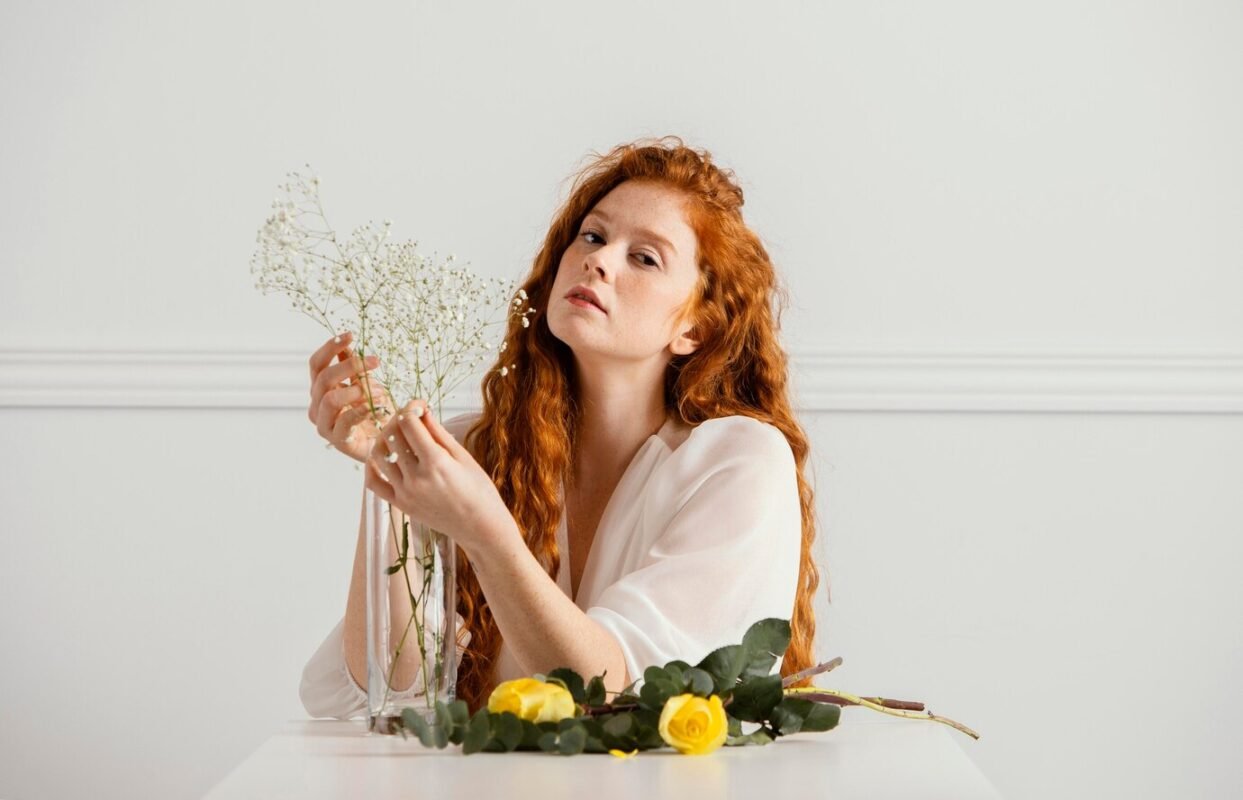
<point x="435" y="480"/>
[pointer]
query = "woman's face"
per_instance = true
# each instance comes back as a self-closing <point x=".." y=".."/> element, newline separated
<point x="636" y="251"/>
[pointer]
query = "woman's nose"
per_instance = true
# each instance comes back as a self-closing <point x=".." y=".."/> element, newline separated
<point x="595" y="263"/>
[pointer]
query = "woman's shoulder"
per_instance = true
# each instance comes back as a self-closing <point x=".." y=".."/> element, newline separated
<point x="737" y="432"/>
<point x="720" y="442"/>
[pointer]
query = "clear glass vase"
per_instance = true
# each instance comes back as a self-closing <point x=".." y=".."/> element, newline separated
<point x="411" y="616"/>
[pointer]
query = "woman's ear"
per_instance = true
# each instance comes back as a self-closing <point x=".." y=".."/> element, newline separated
<point x="687" y="342"/>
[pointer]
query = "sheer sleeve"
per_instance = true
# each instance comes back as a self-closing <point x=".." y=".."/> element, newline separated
<point x="727" y="557"/>
<point x="327" y="688"/>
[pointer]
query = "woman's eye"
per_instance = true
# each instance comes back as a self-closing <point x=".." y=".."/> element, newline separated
<point x="653" y="261"/>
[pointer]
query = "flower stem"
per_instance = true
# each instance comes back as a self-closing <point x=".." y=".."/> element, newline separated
<point x="820" y="694"/>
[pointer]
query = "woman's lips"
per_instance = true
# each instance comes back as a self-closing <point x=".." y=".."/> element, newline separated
<point x="578" y="301"/>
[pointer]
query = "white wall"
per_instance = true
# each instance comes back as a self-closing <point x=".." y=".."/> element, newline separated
<point x="1012" y="237"/>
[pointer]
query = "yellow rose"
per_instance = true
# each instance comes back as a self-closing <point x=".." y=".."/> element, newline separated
<point x="532" y="700"/>
<point x="693" y="725"/>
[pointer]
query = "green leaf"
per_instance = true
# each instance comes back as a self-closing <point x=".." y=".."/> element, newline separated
<point x="621" y="724"/>
<point x="478" y="734"/>
<point x="647" y="733"/>
<point x="764" y="642"/>
<point x="698" y="682"/>
<point x="572" y="681"/>
<point x="444" y="724"/>
<point x="758" y="737"/>
<point x="393" y="569"/>
<point x="658" y="687"/>
<point x="531" y="732"/>
<point x="755" y="698"/>
<point x="595" y="692"/>
<point x="735" y="727"/>
<point x="507" y="730"/>
<point x="788" y="715"/>
<point x="548" y="742"/>
<point x="823" y="717"/>
<point x="572" y="741"/>
<point x="724" y="664"/>
<point x="415" y="722"/>
<point x="460" y="714"/>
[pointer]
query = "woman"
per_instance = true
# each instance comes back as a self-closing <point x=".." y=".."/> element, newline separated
<point x="641" y="423"/>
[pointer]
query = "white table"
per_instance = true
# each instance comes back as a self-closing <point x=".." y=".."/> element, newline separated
<point x="868" y="755"/>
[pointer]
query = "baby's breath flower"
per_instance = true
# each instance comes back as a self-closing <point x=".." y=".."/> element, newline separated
<point x="429" y="321"/>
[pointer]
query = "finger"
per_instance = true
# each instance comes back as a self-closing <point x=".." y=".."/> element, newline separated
<point x="348" y="369"/>
<point x="334" y="402"/>
<point x="410" y="420"/>
<point x="377" y="483"/>
<point x="387" y="455"/>
<point x="329" y="350"/>
<point x="347" y="420"/>
<point x="441" y="435"/>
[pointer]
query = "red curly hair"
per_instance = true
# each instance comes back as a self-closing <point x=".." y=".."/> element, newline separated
<point x="529" y="416"/>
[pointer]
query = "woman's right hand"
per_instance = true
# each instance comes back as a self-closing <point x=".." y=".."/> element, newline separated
<point x="339" y="407"/>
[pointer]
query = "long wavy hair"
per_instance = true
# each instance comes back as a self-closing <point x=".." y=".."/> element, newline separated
<point x="527" y="428"/>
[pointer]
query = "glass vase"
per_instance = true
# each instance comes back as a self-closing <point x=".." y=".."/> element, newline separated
<point x="411" y="616"/>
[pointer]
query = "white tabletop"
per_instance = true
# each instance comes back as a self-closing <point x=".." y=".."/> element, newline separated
<point x="867" y="755"/>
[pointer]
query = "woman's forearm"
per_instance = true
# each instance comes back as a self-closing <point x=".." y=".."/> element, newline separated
<point x="541" y="625"/>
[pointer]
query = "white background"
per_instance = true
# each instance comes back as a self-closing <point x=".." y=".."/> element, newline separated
<point x="1012" y="237"/>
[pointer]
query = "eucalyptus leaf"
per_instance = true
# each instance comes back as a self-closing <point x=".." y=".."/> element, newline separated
<point x="759" y="737"/>
<point x="698" y="682"/>
<point x="478" y="733"/>
<point x="621" y="724"/>
<point x="444" y="721"/>
<point x="572" y="681"/>
<point x="655" y="693"/>
<point x="531" y="733"/>
<point x="572" y="741"/>
<point x="595" y="695"/>
<point x="415" y="722"/>
<point x="548" y="742"/>
<point x="507" y="730"/>
<point x="459" y="712"/>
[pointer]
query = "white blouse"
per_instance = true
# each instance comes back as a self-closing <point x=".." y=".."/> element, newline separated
<point x="700" y="539"/>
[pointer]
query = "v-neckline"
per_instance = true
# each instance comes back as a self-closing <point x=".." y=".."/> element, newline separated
<point x="604" y="515"/>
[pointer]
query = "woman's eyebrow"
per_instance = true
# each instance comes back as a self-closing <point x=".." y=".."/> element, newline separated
<point x="644" y="231"/>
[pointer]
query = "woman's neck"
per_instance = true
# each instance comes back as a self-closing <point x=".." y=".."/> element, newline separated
<point x="611" y="430"/>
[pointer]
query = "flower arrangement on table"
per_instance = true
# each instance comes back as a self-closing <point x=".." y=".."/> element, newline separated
<point x="693" y="709"/>
<point x="429" y="322"/>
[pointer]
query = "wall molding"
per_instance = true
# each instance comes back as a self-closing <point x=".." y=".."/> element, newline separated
<point x="823" y="380"/>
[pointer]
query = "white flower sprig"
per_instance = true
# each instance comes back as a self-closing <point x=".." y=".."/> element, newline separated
<point x="429" y="323"/>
